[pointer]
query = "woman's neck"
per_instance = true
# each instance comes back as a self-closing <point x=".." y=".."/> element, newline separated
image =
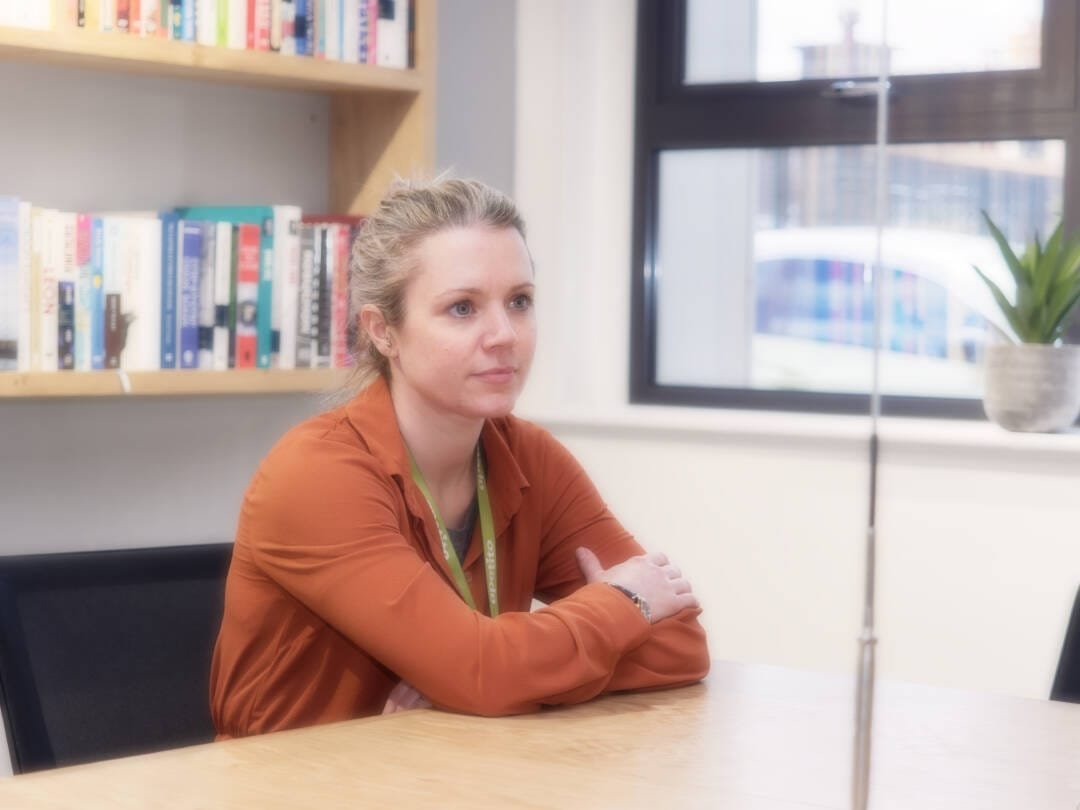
<point x="442" y="444"/>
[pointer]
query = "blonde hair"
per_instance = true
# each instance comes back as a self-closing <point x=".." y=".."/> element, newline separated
<point x="383" y="255"/>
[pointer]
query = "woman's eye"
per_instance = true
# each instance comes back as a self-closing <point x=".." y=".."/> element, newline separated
<point x="461" y="309"/>
<point x="523" y="301"/>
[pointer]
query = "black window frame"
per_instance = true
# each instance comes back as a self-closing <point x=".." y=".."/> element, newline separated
<point x="670" y="114"/>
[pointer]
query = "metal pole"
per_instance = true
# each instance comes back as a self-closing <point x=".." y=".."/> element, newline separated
<point x="864" y="694"/>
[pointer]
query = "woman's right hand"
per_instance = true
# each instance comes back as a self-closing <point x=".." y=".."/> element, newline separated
<point x="650" y="576"/>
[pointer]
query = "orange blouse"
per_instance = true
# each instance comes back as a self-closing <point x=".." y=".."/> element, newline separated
<point x="338" y="587"/>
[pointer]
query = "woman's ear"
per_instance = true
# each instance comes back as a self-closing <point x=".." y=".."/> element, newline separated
<point x="373" y="324"/>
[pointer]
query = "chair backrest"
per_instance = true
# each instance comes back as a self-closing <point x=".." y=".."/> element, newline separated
<point x="107" y="653"/>
<point x="1067" y="680"/>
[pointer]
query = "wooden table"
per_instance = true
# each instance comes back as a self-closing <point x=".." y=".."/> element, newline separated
<point x="749" y="738"/>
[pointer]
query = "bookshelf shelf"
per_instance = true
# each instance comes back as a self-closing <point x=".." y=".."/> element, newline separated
<point x="60" y="384"/>
<point x="162" y="57"/>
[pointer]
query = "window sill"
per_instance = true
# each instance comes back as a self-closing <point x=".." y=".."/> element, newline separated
<point x="651" y="422"/>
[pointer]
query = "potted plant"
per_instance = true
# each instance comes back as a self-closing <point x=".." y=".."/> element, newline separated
<point x="1033" y="379"/>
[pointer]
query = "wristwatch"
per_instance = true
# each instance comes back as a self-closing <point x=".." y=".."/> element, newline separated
<point x="640" y="603"/>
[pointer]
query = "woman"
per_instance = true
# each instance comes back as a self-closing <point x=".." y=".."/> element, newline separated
<point x="388" y="551"/>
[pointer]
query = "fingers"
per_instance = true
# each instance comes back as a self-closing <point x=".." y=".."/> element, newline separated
<point x="657" y="558"/>
<point x="589" y="564"/>
<point x="673" y="572"/>
<point x="404" y="697"/>
<point x="681" y="586"/>
<point x="687" y="601"/>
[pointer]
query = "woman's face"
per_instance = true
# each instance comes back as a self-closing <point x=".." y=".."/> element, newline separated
<point x="466" y="343"/>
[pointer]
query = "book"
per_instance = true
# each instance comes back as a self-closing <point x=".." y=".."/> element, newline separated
<point x="83" y="292"/>
<point x="66" y="321"/>
<point x="238" y="23"/>
<point x="144" y="332"/>
<point x="97" y="294"/>
<point x="9" y="283"/>
<point x="393" y="34"/>
<point x="68" y="279"/>
<point x="307" y="306"/>
<point x="223" y="289"/>
<point x="288" y="27"/>
<point x="169" y="239"/>
<point x="189" y="259"/>
<point x="261" y="26"/>
<point x="286" y="286"/>
<point x="114" y="340"/>
<point x="25" y="327"/>
<point x="207" y="276"/>
<point x="322" y="291"/>
<point x="248" y="238"/>
<point x="206" y="21"/>
<point x="48" y="281"/>
<point x="187" y="20"/>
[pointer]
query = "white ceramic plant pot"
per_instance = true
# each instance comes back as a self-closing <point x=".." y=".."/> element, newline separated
<point x="1032" y="387"/>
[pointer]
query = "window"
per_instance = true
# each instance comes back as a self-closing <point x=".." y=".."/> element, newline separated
<point x="755" y="232"/>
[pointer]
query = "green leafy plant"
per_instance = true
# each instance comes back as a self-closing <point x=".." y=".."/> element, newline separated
<point x="1047" y="285"/>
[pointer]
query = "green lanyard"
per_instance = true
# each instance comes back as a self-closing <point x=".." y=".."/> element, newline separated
<point x="487" y="531"/>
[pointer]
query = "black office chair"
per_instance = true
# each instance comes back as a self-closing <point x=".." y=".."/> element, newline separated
<point x="107" y="653"/>
<point x="1067" y="681"/>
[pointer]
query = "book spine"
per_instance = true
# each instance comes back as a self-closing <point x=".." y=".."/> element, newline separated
<point x="68" y="280"/>
<point x="247" y="295"/>
<point x="97" y="294"/>
<point x="131" y="348"/>
<point x="252" y="14"/>
<point x="340" y="307"/>
<point x="188" y="295"/>
<point x="324" y="283"/>
<point x="169" y="229"/>
<point x="302" y="26"/>
<point x="373" y="31"/>
<point x="304" y="330"/>
<point x="222" y="285"/>
<point x="80" y="14"/>
<point x="265" y="305"/>
<point x="107" y="17"/>
<point x="350" y="35"/>
<point x="362" y="32"/>
<point x="221" y="36"/>
<point x="261" y="31"/>
<point x="238" y="24"/>
<point x="83" y="293"/>
<point x="25" y="329"/>
<point x="176" y="19"/>
<point x="151" y="18"/>
<point x="113" y="280"/>
<point x="92" y="20"/>
<point x="187" y="21"/>
<point x="207" y="272"/>
<point x="319" y="29"/>
<point x="51" y="257"/>
<point x="135" y="17"/>
<point x="276" y="25"/>
<point x="286" y="281"/>
<point x="123" y="15"/>
<point x="206" y="18"/>
<point x="9" y="283"/>
<point x="148" y="322"/>
<point x="113" y="342"/>
<point x="288" y="27"/>
<point x="66" y="322"/>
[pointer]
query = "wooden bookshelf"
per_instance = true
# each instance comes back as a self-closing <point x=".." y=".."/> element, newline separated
<point x="381" y="125"/>
<point x="58" y="384"/>
<point x="77" y="48"/>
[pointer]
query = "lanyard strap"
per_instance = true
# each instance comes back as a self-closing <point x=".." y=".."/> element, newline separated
<point x="487" y="532"/>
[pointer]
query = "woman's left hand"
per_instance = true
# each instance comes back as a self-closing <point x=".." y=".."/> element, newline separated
<point x="403" y="697"/>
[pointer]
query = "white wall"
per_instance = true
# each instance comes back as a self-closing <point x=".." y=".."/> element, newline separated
<point x="979" y="556"/>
